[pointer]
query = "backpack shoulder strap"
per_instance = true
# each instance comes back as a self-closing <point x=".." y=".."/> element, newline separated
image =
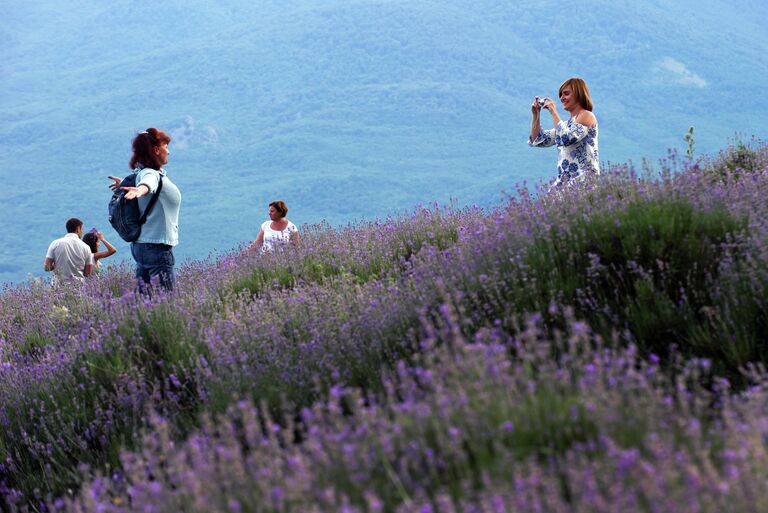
<point x="152" y="201"/>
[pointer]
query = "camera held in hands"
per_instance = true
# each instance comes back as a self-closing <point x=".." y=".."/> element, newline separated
<point x="541" y="101"/>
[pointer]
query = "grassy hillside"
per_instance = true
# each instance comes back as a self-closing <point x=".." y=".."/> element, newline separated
<point x="601" y="348"/>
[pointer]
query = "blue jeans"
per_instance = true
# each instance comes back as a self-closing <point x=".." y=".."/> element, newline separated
<point x="154" y="260"/>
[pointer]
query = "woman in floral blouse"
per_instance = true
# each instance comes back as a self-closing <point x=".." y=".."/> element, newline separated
<point x="576" y="138"/>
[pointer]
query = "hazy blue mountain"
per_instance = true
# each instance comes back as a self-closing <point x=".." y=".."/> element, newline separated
<point x="344" y="109"/>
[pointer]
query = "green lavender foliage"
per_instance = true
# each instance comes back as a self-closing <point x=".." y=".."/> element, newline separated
<point x="552" y="336"/>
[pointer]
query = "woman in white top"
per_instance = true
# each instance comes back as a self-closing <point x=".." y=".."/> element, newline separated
<point x="278" y="230"/>
<point x="576" y="138"/>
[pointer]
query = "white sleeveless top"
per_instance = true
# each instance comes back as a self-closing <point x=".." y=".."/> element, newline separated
<point x="274" y="237"/>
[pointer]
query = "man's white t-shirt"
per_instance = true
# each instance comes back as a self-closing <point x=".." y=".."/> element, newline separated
<point x="70" y="255"/>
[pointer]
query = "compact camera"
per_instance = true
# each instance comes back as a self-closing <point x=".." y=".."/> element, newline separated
<point x="542" y="101"/>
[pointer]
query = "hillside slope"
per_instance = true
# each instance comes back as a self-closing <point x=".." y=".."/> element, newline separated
<point x="438" y="358"/>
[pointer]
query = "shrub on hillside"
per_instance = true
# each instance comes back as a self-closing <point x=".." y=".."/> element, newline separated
<point x="739" y="160"/>
<point x="468" y="428"/>
<point x="674" y="258"/>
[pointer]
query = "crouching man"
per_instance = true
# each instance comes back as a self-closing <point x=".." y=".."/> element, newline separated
<point x="69" y="257"/>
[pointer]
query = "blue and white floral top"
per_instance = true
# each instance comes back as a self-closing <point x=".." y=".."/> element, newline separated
<point x="576" y="147"/>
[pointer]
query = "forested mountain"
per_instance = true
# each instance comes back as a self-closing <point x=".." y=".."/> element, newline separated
<point x="345" y="109"/>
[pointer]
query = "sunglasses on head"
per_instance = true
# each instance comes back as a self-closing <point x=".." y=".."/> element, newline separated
<point x="152" y="137"/>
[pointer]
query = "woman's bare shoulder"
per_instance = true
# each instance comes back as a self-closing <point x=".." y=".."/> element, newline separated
<point x="586" y="118"/>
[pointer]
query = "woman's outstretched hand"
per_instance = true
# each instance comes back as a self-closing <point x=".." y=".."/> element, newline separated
<point x="134" y="192"/>
<point x="115" y="184"/>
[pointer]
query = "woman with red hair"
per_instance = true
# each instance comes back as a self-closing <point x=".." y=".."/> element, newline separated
<point x="153" y="251"/>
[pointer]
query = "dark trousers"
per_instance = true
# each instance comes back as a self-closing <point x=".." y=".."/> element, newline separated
<point x="154" y="260"/>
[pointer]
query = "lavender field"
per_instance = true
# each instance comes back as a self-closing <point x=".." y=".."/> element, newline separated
<point x="596" y="349"/>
